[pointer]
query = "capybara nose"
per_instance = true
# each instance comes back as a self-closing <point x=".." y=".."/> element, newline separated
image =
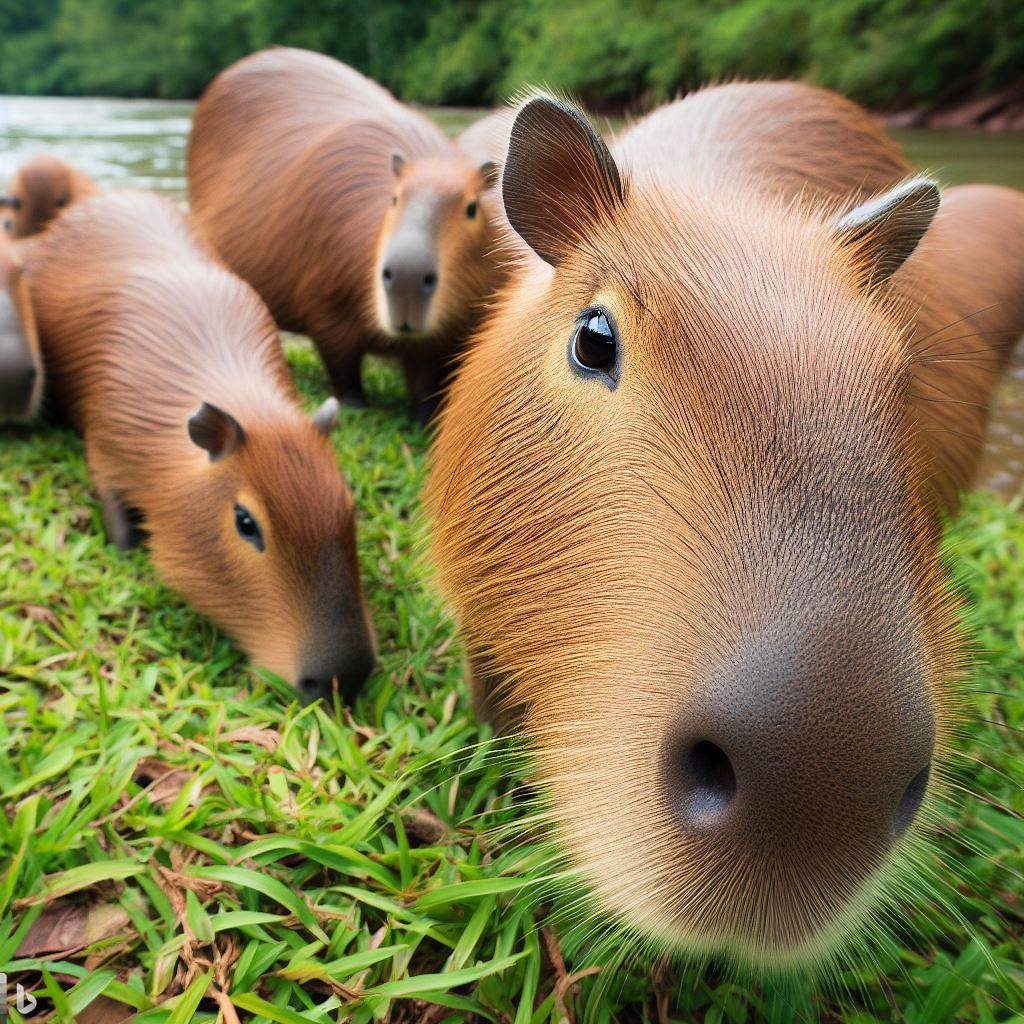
<point x="347" y="675"/>
<point x="17" y="380"/>
<point x="790" y="754"/>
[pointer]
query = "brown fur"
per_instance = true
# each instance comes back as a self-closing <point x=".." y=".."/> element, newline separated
<point x="41" y="189"/>
<point x="21" y="367"/>
<point x="737" y="539"/>
<point x="139" y="326"/>
<point x="309" y="230"/>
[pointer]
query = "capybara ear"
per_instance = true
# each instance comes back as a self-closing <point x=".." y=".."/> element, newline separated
<point x="489" y="171"/>
<point x="215" y="431"/>
<point x="886" y="229"/>
<point x="325" y="419"/>
<point x="559" y="178"/>
<point x="397" y="164"/>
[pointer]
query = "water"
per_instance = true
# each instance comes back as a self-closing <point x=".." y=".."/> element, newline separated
<point x="142" y="143"/>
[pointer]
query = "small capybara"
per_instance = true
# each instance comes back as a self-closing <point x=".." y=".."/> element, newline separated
<point x="171" y="368"/>
<point x="21" y="368"/>
<point x="684" y="498"/>
<point x="41" y="188"/>
<point x="353" y="216"/>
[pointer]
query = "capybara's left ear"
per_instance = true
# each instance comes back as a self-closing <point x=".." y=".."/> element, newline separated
<point x="325" y="419"/>
<point x="559" y="179"/>
<point x="215" y="431"/>
<point x="489" y="171"/>
<point x="885" y="230"/>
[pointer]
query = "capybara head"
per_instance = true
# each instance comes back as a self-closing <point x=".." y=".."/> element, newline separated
<point x="21" y="367"/>
<point x="268" y="549"/>
<point x="432" y="244"/>
<point x="40" y="190"/>
<point x="678" y="510"/>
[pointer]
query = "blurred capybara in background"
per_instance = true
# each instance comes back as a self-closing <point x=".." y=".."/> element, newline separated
<point x="485" y="141"/>
<point x="21" y="369"/>
<point x="172" y="369"/>
<point x="40" y="189"/>
<point x="684" y="495"/>
<point x="354" y="216"/>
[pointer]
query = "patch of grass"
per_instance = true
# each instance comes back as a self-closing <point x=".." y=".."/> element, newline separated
<point x="180" y="840"/>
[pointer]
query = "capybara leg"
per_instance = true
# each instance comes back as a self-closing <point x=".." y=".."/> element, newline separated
<point x="347" y="379"/>
<point x="121" y="521"/>
<point x="424" y="377"/>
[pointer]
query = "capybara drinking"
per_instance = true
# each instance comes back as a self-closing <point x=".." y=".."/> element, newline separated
<point x="171" y="368"/>
<point x="21" y="369"/>
<point x="684" y="499"/>
<point x="353" y="216"/>
<point x="41" y="188"/>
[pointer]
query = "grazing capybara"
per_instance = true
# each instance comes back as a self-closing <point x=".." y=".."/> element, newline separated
<point x="684" y="499"/>
<point x="353" y="216"/>
<point x="21" y="369"/>
<point x="41" y="188"/>
<point x="171" y="368"/>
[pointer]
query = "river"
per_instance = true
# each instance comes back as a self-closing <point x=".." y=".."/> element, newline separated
<point x="142" y="144"/>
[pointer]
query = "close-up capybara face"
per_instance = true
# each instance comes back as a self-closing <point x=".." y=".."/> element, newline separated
<point x="278" y="524"/>
<point x="678" y="510"/>
<point x="432" y="242"/>
<point x="21" y="367"/>
<point x="42" y="187"/>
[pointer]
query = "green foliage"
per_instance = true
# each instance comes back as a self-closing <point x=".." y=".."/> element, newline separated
<point x="175" y="819"/>
<point x="609" y="52"/>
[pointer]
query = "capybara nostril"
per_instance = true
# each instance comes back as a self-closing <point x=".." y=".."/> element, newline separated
<point x="310" y="689"/>
<point x="429" y="281"/>
<point x="387" y="275"/>
<point x="911" y="800"/>
<point x="706" y="784"/>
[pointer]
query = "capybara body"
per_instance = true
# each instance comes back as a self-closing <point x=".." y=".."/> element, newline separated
<point x="171" y="368"/>
<point x="21" y="367"/>
<point x="355" y="218"/>
<point x="684" y="498"/>
<point x="41" y="188"/>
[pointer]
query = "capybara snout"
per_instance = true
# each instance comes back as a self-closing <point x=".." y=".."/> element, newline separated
<point x="805" y="743"/>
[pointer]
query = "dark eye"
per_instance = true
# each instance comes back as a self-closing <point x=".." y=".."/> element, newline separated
<point x="394" y="199"/>
<point x="595" y="345"/>
<point x="471" y="211"/>
<point x="247" y="527"/>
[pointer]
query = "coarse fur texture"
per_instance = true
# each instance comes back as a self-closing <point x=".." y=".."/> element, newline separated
<point x="346" y="210"/>
<point x="21" y="366"/>
<point x="706" y="583"/>
<point x="40" y="190"/>
<point x="148" y="340"/>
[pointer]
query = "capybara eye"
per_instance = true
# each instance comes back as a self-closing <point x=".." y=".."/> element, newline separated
<point x="594" y="343"/>
<point x="471" y="210"/>
<point x="394" y="199"/>
<point x="247" y="527"/>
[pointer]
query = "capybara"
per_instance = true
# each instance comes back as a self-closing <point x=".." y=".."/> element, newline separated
<point x="354" y="216"/>
<point x="41" y="188"/>
<point x="684" y="499"/>
<point x="21" y="369"/>
<point x="171" y="368"/>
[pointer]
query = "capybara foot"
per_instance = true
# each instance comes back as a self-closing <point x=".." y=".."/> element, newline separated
<point x="122" y="523"/>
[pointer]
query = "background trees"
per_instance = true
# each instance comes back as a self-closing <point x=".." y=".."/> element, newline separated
<point x="609" y="52"/>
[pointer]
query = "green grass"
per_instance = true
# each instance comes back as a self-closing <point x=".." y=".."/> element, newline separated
<point x="180" y="839"/>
